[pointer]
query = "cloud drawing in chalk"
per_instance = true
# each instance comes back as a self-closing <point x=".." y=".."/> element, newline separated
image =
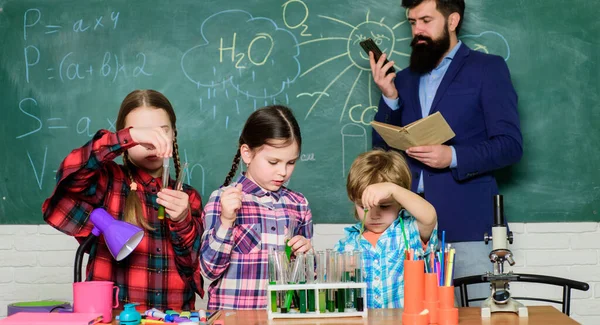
<point x="251" y="54"/>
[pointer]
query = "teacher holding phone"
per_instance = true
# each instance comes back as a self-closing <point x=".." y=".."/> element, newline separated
<point x="474" y="93"/>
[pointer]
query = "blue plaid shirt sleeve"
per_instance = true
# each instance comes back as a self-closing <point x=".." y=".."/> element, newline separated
<point x="412" y="230"/>
<point x="350" y="241"/>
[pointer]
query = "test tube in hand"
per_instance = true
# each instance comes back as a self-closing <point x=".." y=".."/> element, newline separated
<point x="165" y="184"/>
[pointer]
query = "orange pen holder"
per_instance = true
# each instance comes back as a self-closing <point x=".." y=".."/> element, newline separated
<point x="414" y="293"/>
<point x="447" y="313"/>
<point x="432" y="301"/>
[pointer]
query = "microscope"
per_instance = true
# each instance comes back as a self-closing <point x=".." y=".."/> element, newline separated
<point x="500" y="299"/>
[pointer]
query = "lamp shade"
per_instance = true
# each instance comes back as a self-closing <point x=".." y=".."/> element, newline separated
<point x="121" y="237"/>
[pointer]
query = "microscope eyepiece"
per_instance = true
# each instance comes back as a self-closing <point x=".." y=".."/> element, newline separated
<point x="498" y="211"/>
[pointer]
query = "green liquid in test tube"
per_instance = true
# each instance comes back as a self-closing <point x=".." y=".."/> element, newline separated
<point x="302" y="280"/>
<point x="331" y="262"/>
<point x="321" y="262"/>
<point x="348" y="275"/>
<point x="359" y="299"/>
<point x="310" y="278"/>
<point x="288" y="250"/>
<point x="297" y="265"/>
<point x="341" y="293"/>
<point x="288" y="234"/>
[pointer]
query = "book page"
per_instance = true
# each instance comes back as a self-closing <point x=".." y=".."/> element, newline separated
<point x="430" y="130"/>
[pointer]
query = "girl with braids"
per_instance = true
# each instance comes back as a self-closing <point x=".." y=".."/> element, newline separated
<point x="255" y="213"/>
<point x="163" y="271"/>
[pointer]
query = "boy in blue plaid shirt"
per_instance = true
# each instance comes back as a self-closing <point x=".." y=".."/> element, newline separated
<point x="391" y="220"/>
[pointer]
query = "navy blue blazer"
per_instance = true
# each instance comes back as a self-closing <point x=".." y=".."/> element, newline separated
<point x="479" y="102"/>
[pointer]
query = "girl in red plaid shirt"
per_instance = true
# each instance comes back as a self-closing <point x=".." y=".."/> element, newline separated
<point x="256" y="213"/>
<point x="163" y="271"/>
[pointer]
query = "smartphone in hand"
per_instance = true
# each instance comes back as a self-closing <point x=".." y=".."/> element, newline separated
<point x="369" y="46"/>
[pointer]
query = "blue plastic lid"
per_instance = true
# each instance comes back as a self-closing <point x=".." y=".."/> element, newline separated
<point x="129" y="315"/>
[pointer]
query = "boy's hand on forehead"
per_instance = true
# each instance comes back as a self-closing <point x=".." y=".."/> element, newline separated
<point x="299" y="244"/>
<point x="176" y="203"/>
<point x="153" y="139"/>
<point x="231" y="202"/>
<point x="376" y="194"/>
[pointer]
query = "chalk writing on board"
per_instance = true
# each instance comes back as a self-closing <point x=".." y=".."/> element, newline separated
<point x="488" y="42"/>
<point x="358" y="114"/>
<point x="71" y="69"/>
<point x="29" y="106"/>
<point x="32" y="17"/>
<point x="189" y="171"/>
<point x="307" y="157"/>
<point x="320" y="93"/>
<point x="238" y="47"/>
<point x="349" y="132"/>
<point x="39" y="172"/>
<point x="385" y="37"/>
<point x="289" y="22"/>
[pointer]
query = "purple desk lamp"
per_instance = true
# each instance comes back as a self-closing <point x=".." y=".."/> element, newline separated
<point x="121" y="238"/>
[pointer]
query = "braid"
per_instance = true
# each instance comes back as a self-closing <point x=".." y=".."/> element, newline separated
<point x="234" y="167"/>
<point x="176" y="161"/>
<point x="133" y="184"/>
<point x="132" y="211"/>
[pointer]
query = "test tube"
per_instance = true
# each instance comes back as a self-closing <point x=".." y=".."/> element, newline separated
<point x="331" y="293"/>
<point x="165" y="184"/>
<point x="293" y="278"/>
<point x="273" y="277"/>
<point x="341" y="293"/>
<point x="300" y="259"/>
<point x="360" y="300"/>
<point x="310" y="278"/>
<point x="289" y="234"/>
<point x="282" y="277"/>
<point x="321" y="262"/>
<point x="179" y="182"/>
<point x="349" y="277"/>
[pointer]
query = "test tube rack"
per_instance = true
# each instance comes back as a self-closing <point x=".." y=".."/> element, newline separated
<point x="316" y="287"/>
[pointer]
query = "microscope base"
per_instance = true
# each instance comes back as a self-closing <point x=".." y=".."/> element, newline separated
<point x="489" y="306"/>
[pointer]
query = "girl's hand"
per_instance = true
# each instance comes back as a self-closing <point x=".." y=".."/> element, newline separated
<point x="155" y="139"/>
<point x="176" y="203"/>
<point x="231" y="202"/>
<point x="376" y="193"/>
<point x="299" y="244"/>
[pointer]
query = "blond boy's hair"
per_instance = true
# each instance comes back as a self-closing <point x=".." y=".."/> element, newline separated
<point x="376" y="166"/>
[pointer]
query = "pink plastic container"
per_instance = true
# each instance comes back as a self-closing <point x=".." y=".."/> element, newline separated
<point x="95" y="297"/>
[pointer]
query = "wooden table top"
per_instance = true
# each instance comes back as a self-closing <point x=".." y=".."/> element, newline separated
<point x="538" y="315"/>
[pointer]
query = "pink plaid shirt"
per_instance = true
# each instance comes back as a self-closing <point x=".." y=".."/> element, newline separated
<point x="235" y="259"/>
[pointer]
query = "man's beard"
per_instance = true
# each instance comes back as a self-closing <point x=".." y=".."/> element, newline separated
<point x="425" y="57"/>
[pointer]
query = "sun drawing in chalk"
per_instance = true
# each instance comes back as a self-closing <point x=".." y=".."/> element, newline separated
<point x="393" y="40"/>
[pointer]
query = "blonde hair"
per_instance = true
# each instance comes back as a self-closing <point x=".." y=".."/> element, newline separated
<point x="377" y="166"/>
<point x="133" y="212"/>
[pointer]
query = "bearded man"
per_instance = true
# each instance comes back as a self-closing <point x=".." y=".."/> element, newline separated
<point x="474" y="93"/>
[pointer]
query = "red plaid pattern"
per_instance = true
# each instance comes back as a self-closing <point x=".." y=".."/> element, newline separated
<point x="163" y="271"/>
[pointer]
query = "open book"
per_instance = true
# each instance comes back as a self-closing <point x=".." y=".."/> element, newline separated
<point x="430" y="130"/>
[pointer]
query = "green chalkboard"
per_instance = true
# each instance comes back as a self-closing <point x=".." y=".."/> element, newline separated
<point x="66" y="65"/>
